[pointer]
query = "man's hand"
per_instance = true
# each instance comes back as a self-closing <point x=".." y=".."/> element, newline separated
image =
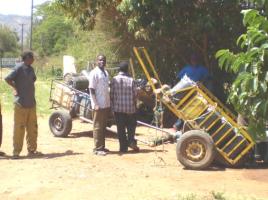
<point x="15" y="93"/>
<point x="96" y="107"/>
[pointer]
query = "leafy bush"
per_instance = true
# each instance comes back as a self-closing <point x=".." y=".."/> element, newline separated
<point x="249" y="92"/>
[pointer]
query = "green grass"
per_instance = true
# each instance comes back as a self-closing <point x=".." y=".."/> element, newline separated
<point x="211" y="196"/>
<point x="42" y="91"/>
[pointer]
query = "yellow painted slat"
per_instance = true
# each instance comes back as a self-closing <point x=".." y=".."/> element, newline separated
<point x="147" y="74"/>
<point x="244" y="152"/>
<point x="151" y="65"/>
<point x="193" y="110"/>
<point x="212" y="124"/>
<point x="187" y="105"/>
<point x="227" y="144"/>
<point x="206" y="118"/>
<point x="220" y="128"/>
<point x="225" y="134"/>
<point x="201" y="111"/>
<point x="236" y="147"/>
<point x="185" y="98"/>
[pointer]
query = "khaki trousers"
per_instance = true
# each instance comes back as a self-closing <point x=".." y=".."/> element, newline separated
<point x="100" y="118"/>
<point x="24" y="118"/>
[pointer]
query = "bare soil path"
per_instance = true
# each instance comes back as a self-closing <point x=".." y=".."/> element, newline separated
<point x="69" y="170"/>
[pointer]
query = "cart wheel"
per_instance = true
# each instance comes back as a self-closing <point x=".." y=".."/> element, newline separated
<point x="60" y="123"/>
<point x="195" y="149"/>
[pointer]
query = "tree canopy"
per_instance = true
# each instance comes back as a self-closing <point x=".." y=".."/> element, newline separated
<point x="8" y="41"/>
<point x="52" y="30"/>
<point x="170" y="29"/>
<point x="249" y="91"/>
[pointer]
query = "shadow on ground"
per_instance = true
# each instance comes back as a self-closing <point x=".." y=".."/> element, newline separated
<point x="43" y="155"/>
<point x="108" y="134"/>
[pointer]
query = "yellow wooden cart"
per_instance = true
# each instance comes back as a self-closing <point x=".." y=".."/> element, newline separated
<point x="210" y="129"/>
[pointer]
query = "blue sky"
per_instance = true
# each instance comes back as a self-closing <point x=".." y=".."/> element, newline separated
<point x="18" y="7"/>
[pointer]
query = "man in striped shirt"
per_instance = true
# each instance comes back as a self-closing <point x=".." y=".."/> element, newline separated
<point x="123" y="104"/>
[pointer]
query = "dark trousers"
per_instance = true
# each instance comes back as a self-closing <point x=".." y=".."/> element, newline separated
<point x="100" y="118"/>
<point x="125" y="122"/>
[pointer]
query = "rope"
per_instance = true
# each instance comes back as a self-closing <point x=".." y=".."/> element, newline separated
<point x="158" y="109"/>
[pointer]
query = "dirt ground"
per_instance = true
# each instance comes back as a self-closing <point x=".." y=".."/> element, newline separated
<point x="69" y="170"/>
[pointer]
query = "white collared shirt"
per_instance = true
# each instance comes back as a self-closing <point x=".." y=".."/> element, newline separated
<point x="100" y="83"/>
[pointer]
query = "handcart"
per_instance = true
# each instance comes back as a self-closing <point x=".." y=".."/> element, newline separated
<point x="210" y="130"/>
<point x="69" y="103"/>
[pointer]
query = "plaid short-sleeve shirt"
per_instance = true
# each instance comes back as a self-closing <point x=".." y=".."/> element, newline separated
<point x="123" y="94"/>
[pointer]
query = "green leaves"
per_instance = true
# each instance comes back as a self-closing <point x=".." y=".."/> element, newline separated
<point x="249" y="92"/>
<point x="226" y="59"/>
<point x="8" y="40"/>
<point x="53" y="32"/>
<point x="251" y="17"/>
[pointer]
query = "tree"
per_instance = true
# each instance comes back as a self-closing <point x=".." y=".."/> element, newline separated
<point x="249" y="91"/>
<point x="8" y="41"/>
<point x="52" y="30"/>
<point x="171" y="29"/>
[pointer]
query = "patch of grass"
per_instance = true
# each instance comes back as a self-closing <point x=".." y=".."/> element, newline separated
<point x="6" y="97"/>
<point x="42" y="91"/>
<point x="188" y="197"/>
<point x="212" y="196"/>
<point x="218" y="195"/>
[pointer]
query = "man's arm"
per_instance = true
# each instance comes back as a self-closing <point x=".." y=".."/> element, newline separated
<point x="92" y="86"/>
<point x="10" y="80"/>
<point x="94" y="99"/>
<point x="12" y="84"/>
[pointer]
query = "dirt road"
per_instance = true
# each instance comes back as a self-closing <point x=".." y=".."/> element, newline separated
<point x="69" y="170"/>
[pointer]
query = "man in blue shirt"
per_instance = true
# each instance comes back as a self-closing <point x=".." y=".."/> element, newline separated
<point x="194" y="71"/>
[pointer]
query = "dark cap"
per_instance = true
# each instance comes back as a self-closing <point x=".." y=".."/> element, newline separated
<point x="123" y="66"/>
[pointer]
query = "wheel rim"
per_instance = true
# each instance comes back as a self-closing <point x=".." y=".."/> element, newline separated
<point x="58" y="124"/>
<point x="195" y="150"/>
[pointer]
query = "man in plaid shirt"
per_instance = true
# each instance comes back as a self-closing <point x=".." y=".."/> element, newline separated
<point x="123" y="104"/>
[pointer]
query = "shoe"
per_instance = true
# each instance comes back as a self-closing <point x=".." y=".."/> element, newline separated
<point x="34" y="154"/>
<point x="134" y="147"/>
<point x="15" y="157"/>
<point x="123" y="150"/>
<point x="106" y="150"/>
<point x="2" y="153"/>
<point x="100" y="153"/>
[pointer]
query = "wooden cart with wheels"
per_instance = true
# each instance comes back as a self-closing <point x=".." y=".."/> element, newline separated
<point x="68" y="103"/>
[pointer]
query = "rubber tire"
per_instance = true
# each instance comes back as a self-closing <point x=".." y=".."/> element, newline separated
<point x="205" y="140"/>
<point x="65" y="121"/>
